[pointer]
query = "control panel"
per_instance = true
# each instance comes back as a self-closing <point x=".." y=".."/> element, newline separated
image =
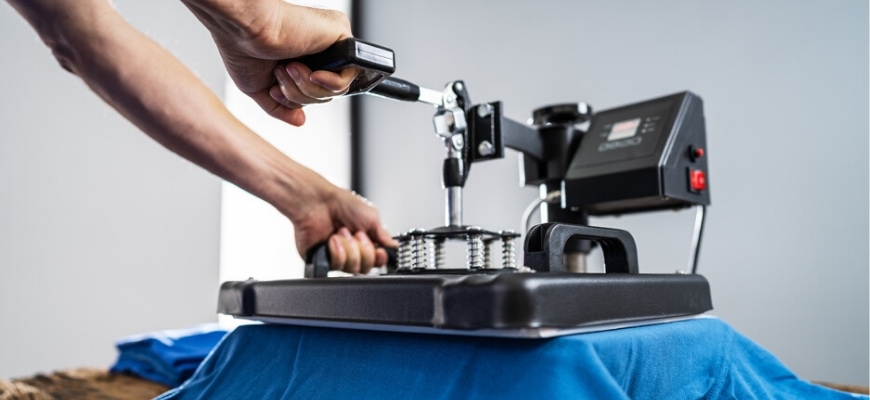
<point x="644" y="156"/>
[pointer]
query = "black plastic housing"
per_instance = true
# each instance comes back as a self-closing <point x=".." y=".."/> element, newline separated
<point x="469" y="302"/>
<point x="647" y="171"/>
<point x="505" y="301"/>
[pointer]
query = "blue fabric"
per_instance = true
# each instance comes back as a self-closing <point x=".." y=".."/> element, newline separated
<point x="702" y="358"/>
<point x="167" y="357"/>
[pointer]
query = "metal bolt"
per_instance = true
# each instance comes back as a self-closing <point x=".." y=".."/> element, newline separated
<point x="458" y="142"/>
<point x="458" y="86"/>
<point x="484" y="110"/>
<point x="449" y="99"/>
<point x="485" y="148"/>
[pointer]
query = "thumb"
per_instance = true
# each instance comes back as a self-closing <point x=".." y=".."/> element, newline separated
<point x="380" y="235"/>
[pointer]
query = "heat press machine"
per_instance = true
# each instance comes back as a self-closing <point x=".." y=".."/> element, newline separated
<point x="640" y="157"/>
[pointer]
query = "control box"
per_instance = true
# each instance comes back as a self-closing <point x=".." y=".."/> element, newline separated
<point x="640" y="157"/>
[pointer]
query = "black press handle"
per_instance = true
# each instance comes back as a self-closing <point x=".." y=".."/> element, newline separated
<point x="375" y="62"/>
<point x="318" y="259"/>
<point x="545" y="246"/>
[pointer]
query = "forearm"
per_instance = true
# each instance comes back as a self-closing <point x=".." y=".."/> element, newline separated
<point x="163" y="98"/>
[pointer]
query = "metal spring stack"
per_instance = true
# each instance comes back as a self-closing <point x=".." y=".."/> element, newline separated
<point x="425" y="250"/>
<point x="476" y="251"/>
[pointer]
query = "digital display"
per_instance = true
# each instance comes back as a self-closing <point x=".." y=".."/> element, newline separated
<point x="623" y="129"/>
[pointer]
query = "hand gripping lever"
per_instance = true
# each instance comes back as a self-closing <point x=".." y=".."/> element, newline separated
<point x="317" y="261"/>
<point x="376" y="65"/>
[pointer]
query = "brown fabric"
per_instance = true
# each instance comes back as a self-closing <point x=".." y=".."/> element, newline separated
<point x="846" y="388"/>
<point x="99" y="384"/>
<point x="82" y="383"/>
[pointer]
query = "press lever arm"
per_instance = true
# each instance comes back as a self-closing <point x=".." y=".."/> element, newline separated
<point x="400" y="89"/>
<point x="376" y="64"/>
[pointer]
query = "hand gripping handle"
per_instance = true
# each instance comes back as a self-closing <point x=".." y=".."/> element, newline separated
<point x="545" y="247"/>
<point x="317" y="261"/>
<point x="374" y="62"/>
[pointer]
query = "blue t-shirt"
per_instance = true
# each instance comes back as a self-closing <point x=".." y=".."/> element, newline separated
<point x="695" y="359"/>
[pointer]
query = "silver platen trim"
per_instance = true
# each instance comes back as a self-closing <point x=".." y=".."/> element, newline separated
<point x="520" y="333"/>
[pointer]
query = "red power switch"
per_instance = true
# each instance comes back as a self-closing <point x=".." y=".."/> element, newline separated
<point x="697" y="180"/>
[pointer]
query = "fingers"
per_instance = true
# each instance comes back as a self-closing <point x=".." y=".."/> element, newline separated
<point x="383" y="237"/>
<point x="337" y="83"/>
<point x="294" y="80"/>
<point x="300" y="86"/>
<point x="380" y="257"/>
<point x="289" y="113"/>
<point x="337" y="254"/>
<point x="354" y="253"/>
<point x="367" y="252"/>
<point x="276" y="94"/>
<point x="347" y="257"/>
<point x="351" y="247"/>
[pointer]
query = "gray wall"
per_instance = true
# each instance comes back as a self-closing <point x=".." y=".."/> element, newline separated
<point x="103" y="233"/>
<point x="785" y="86"/>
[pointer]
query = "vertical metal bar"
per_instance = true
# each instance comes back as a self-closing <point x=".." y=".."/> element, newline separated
<point x="357" y="180"/>
<point x="695" y="250"/>
<point x="453" y="213"/>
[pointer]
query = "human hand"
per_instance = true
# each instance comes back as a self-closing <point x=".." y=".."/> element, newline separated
<point x="254" y="37"/>
<point x="353" y="228"/>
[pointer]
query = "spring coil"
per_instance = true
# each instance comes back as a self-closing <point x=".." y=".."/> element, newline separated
<point x="404" y="253"/>
<point x="420" y="251"/>
<point x="508" y="252"/>
<point x="438" y="253"/>
<point x="430" y="254"/>
<point x="475" y="250"/>
<point x="487" y="253"/>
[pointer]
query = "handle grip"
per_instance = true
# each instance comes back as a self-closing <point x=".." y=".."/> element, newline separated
<point x="545" y="246"/>
<point x="375" y="63"/>
<point x="317" y="261"/>
<point x="397" y="89"/>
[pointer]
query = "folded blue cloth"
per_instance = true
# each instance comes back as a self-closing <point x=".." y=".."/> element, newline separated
<point x="167" y="357"/>
<point x="695" y="359"/>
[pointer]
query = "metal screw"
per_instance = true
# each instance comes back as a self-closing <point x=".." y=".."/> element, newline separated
<point x="485" y="148"/>
<point x="458" y="86"/>
<point x="458" y="142"/>
<point x="449" y="99"/>
<point x="484" y="110"/>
